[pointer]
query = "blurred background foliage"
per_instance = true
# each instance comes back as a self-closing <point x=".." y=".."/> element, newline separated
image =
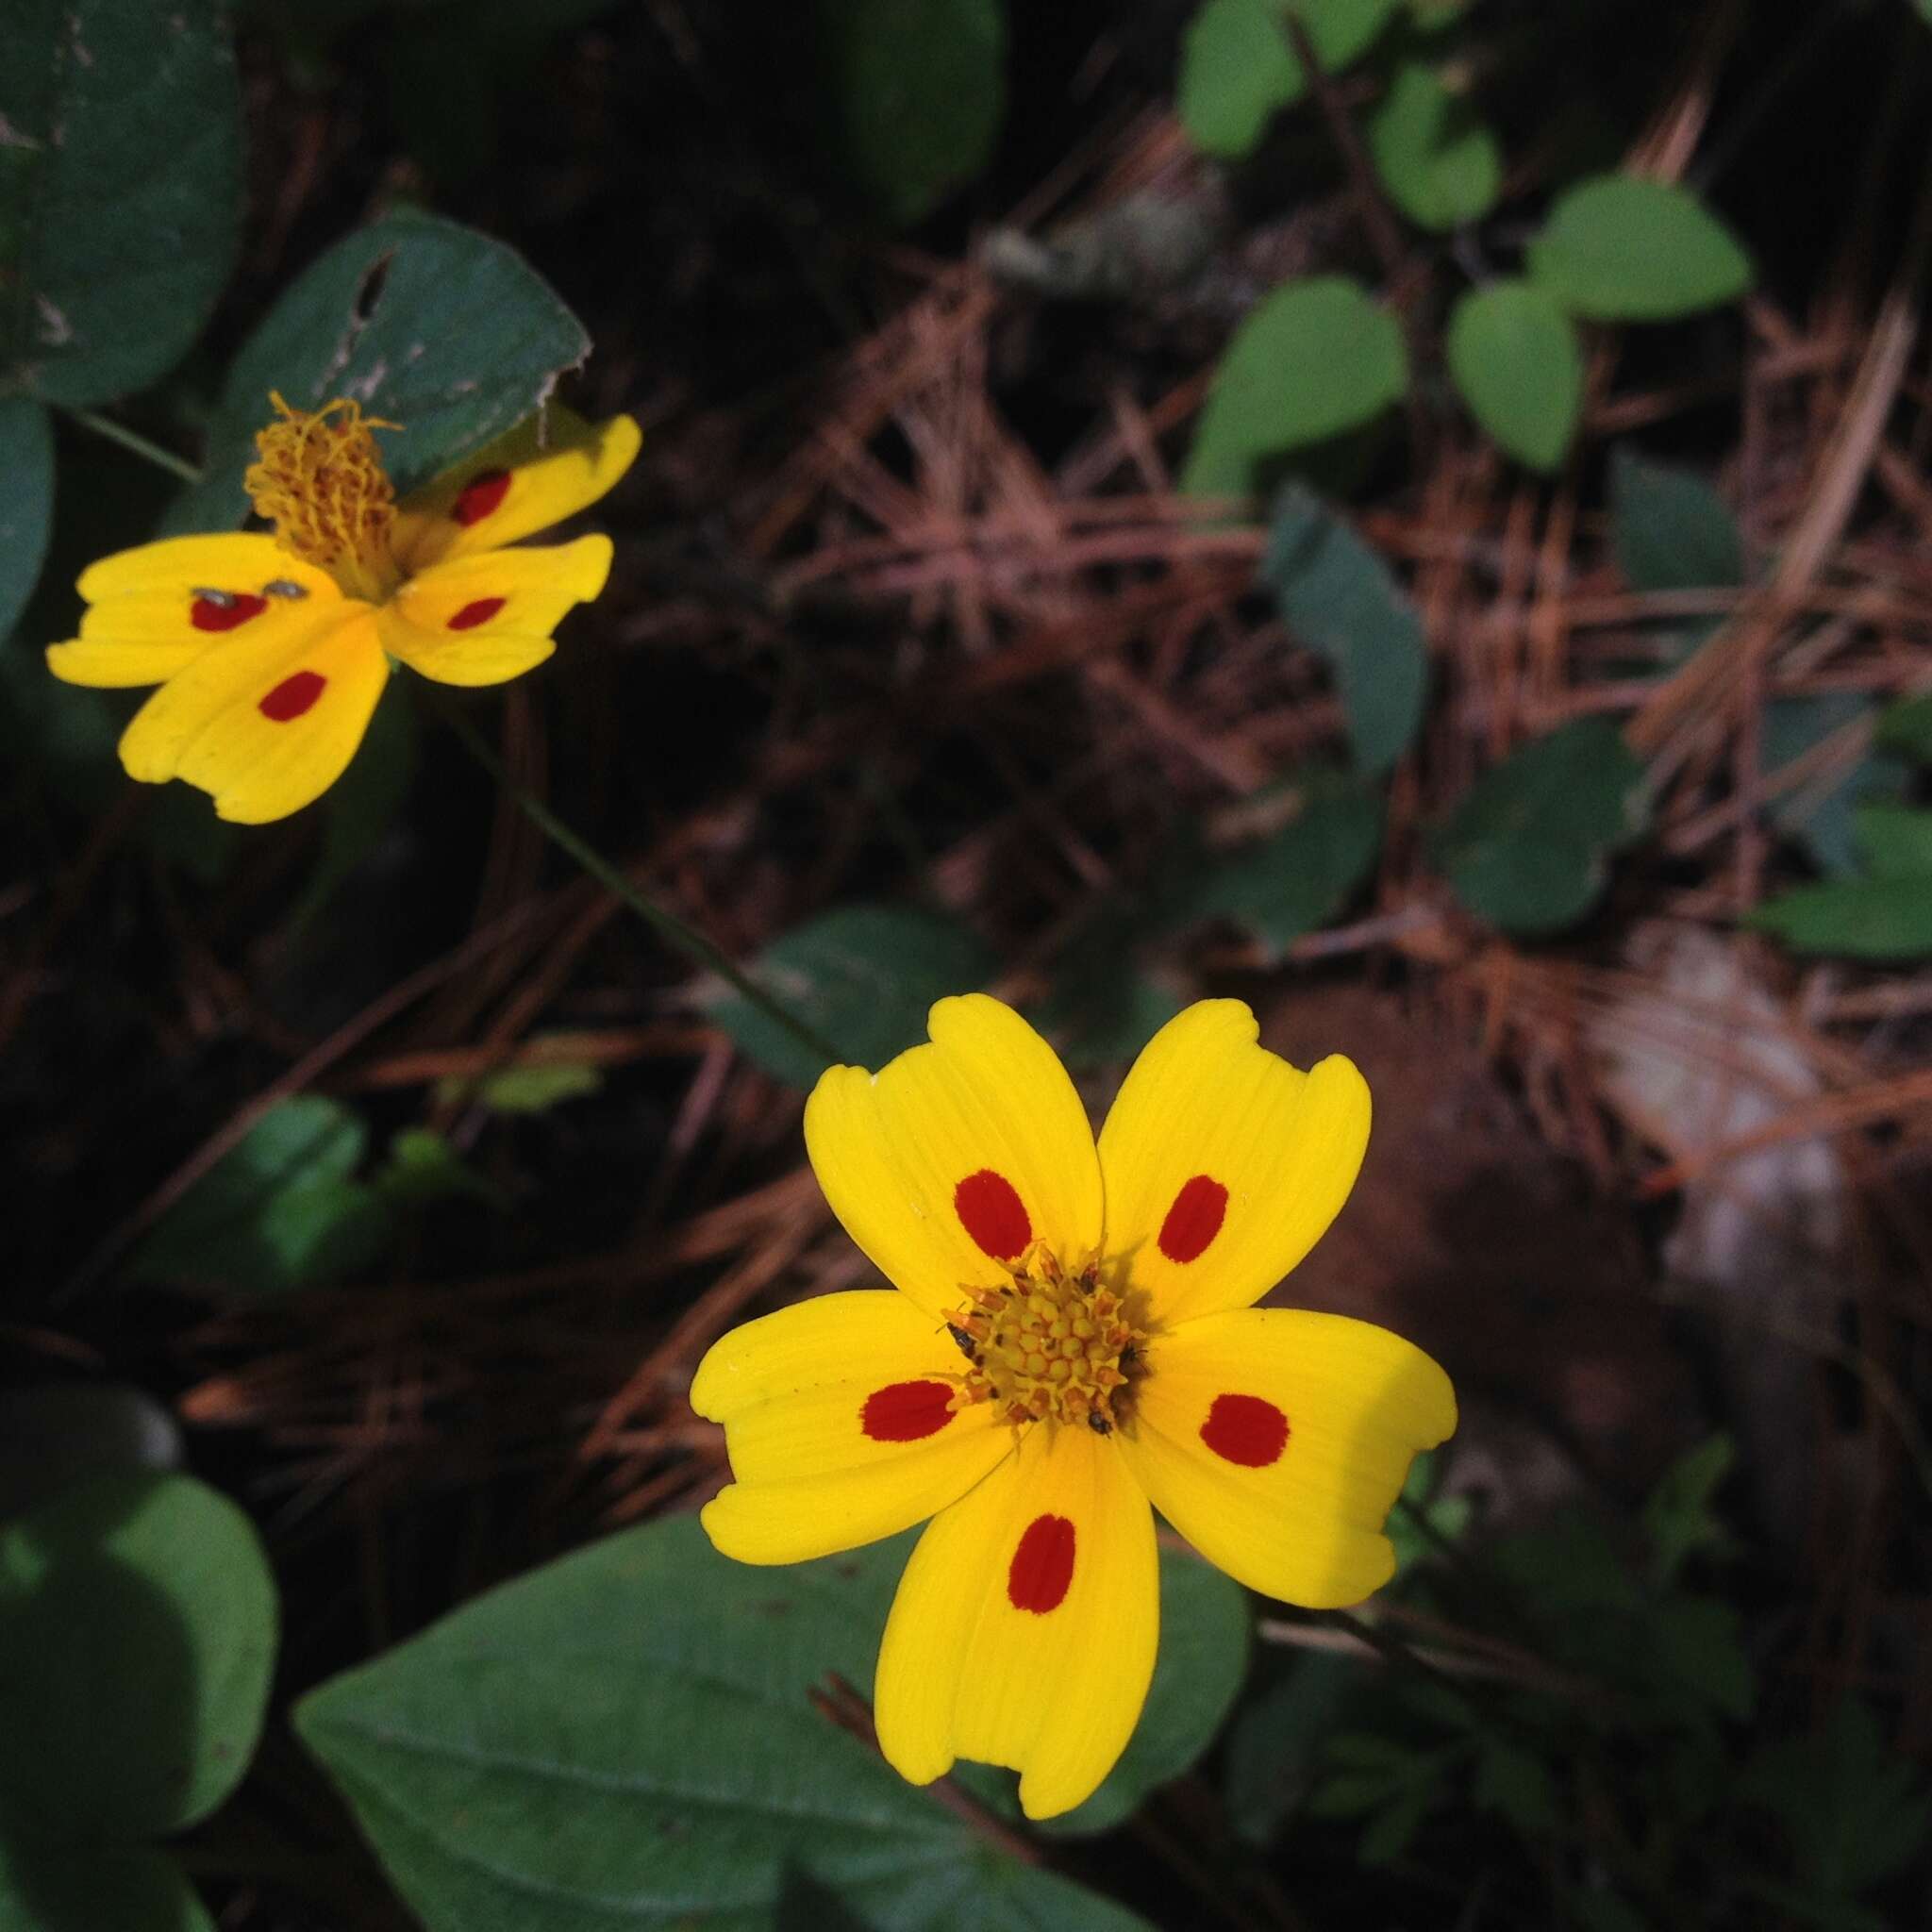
<point x="1412" y="512"/>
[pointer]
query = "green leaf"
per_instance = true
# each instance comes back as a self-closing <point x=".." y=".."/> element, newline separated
<point x="1619" y="248"/>
<point x="1440" y="163"/>
<point x="1670" y="530"/>
<point x="1443" y="1519"/>
<point x="119" y="189"/>
<point x="1821" y="813"/>
<point x="95" y="1889"/>
<point x="626" y="1738"/>
<point x="1341" y="600"/>
<point x="533" y="1088"/>
<point x="53" y="1436"/>
<point x="1679" y="1516"/>
<point x="1570" y="1572"/>
<point x="280" y="1211"/>
<point x="1514" y="356"/>
<point x="1313" y="359"/>
<point x="1296" y="881"/>
<point x="1391" y="1835"/>
<point x="1854" y="1813"/>
<point x="1102" y="1008"/>
<point x="424" y="1168"/>
<point x="1276" y="1741"/>
<point x="146" y="1607"/>
<point x="1239" y="68"/>
<point x="863" y="977"/>
<point x="918" y="90"/>
<point x="1895" y="839"/>
<point x="1905" y="727"/>
<point x="429" y="325"/>
<point x="1516" y="1785"/>
<point x="26" y="499"/>
<point x="1529" y="848"/>
<point x="1698" y="1641"/>
<point x="1855" y="919"/>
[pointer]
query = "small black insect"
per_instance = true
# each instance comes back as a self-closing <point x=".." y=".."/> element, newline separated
<point x="1098" y="1422"/>
<point x="1127" y="1355"/>
<point x="968" y="1347"/>
<point x="283" y="587"/>
<point x="221" y="600"/>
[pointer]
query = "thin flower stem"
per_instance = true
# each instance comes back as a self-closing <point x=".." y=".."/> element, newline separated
<point x="667" y="925"/>
<point x="132" y="438"/>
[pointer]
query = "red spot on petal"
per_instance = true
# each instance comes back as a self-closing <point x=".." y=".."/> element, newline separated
<point x="906" y="1411"/>
<point x="990" y="1210"/>
<point x="479" y="496"/>
<point x="293" y="696"/>
<point x="236" y="607"/>
<point x="481" y="612"/>
<point x="1043" y="1566"/>
<point x="1194" y="1219"/>
<point x="1246" y="1429"/>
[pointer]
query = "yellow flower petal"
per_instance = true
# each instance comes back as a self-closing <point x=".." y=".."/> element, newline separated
<point x="264" y="723"/>
<point x="157" y="607"/>
<point x="1276" y="1441"/>
<point x="549" y="467"/>
<point x="1024" y="1628"/>
<point x="953" y="1157"/>
<point x="836" y="1420"/>
<point x="484" y="617"/>
<point x="236" y="560"/>
<point x="1224" y="1165"/>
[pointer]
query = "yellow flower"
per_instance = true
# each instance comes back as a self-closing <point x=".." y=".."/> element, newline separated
<point x="1071" y="1339"/>
<point x="271" y="651"/>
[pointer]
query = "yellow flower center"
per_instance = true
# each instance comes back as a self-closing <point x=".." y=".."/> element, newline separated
<point x="319" y="478"/>
<point x="1048" y="1344"/>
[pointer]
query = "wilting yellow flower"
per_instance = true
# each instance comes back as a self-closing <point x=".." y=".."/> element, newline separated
<point x="271" y="651"/>
<point x="1072" y="1338"/>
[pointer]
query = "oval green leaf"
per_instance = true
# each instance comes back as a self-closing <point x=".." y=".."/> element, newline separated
<point x="1905" y="727"/>
<point x="1882" y="919"/>
<point x="96" y="1889"/>
<point x="432" y="326"/>
<point x="1296" y="881"/>
<point x="1822" y="812"/>
<point x="146" y="1605"/>
<point x="1514" y="356"/>
<point x="1314" y="358"/>
<point x="1239" y="68"/>
<point x="1618" y="249"/>
<point x="1529" y="848"/>
<point x="917" y="89"/>
<point x="1441" y="164"/>
<point x="628" y="1738"/>
<point x="283" y="1211"/>
<point x="1670" y="530"/>
<point x="119" y="189"/>
<point x="1339" y="599"/>
<point x="862" y="978"/>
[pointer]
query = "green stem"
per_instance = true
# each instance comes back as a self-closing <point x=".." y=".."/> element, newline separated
<point x="667" y="925"/>
<point x="132" y="438"/>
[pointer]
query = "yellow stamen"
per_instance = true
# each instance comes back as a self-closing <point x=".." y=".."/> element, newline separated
<point x="1048" y="1342"/>
<point x="320" y="480"/>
